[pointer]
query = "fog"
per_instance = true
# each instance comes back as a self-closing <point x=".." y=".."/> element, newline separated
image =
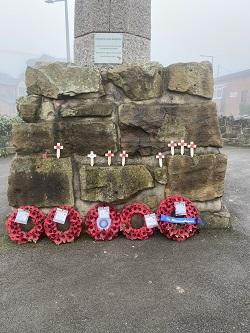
<point x="182" y="30"/>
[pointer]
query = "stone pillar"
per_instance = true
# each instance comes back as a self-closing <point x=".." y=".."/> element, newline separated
<point x="131" y="18"/>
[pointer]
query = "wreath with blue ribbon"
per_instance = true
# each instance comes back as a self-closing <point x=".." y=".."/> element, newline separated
<point x="178" y="228"/>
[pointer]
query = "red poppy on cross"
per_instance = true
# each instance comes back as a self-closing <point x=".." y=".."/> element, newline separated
<point x="172" y="145"/>
<point x="182" y="144"/>
<point x="192" y="147"/>
<point x="160" y="157"/>
<point x="58" y="148"/>
<point x="109" y="155"/>
<point x="123" y="156"/>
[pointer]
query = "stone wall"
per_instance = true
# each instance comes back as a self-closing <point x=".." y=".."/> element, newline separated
<point x="235" y="132"/>
<point x="139" y="108"/>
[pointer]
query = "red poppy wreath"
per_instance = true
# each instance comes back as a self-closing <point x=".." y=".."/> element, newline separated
<point x="14" y="227"/>
<point x="103" y="222"/>
<point x="68" y="236"/>
<point x="176" y="228"/>
<point x="126" y="217"/>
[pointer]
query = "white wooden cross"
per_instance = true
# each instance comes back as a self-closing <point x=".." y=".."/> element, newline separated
<point x="172" y="145"/>
<point x="123" y="156"/>
<point x="58" y="148"/>
<point x="109" y="155"/>
<point x="182" y="144"/>
<point x="192" y="147"/>
<point x="92" y="157"/>
<point x="160" y="157"/>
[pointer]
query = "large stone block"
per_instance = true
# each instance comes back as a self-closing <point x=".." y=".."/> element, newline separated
<point x="81" y="136"/>
<point x="148" y="128"/>
<point x="200" y="178"/>
<point x="192" y="78"/>
<point x="209" y="206"/>
<point x="218" y="220"/>
<point x="28" y="107"/>
<point x="33" y="138"/>
<point x="115" y="183"/>
<point x="138" y="82"/>
<point x="87" y="108"/>
<point x="47" y="112"/>
<point x="43" y="183"/>
<point x="61" y="79"/>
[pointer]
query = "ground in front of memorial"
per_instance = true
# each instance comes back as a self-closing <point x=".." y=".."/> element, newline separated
<point x="199" y="286"/>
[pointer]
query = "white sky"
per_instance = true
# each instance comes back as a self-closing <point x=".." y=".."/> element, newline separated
<point x="182" y="30"/>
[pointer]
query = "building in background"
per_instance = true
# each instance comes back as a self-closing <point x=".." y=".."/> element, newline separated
<point x="12" y="88"/>
<point x="8" y="94"/>
<point x="232" y="94"/>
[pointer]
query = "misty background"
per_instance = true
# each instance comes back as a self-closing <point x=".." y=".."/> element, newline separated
<point x="182" y="30"/>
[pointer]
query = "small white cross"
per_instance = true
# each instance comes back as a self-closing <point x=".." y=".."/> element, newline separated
<point x="182" y="144"/>
<point x="109" y="155"/>
<point x="123" y="156"/>
<point x="58" y="148"/>
<point x="172" y="145"/>
<point x="160" y="157"/>
<point x="192" y="147"/>
<point x="92" y="157"/>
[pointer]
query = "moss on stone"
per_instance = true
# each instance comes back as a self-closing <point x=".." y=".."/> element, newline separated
<point x="115" y="183"/>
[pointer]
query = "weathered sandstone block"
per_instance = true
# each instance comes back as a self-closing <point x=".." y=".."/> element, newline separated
<point x="148" y="128"/>
<point x="200" y="178"/>
<point x="47" y="112"/>
<point x="33" y="138"/>
<point x="43" y="183"/>
<point x="62" y="79"/>
<point x="81" y="136"/>
<point x="28" y="107"/>
<point x="160" y="175"/>
<point x="192" y="78"/>
<point x="86" y="108"/>
<point x="209" y="206"/>
<point x="112" y="184"/>
<point x="218" y="220"/>
<point x="138" y="81"/>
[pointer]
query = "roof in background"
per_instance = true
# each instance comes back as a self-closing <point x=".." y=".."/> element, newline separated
<point x="230" y="77"/>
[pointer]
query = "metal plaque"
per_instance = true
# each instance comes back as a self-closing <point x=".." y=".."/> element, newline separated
<point x="108" y="48"/>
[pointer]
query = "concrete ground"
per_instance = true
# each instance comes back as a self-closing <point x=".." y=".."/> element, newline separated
<point x="199" y="286"/>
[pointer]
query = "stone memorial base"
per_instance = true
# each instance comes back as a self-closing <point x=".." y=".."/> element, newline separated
<point x="137" y="108"/>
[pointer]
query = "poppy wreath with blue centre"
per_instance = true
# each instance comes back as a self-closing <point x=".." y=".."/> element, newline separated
<point x="101" y="229"/>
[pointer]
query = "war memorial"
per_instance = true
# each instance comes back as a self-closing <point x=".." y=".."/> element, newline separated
<point x="114" y="204"/>
<point x="114" y="129"/>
